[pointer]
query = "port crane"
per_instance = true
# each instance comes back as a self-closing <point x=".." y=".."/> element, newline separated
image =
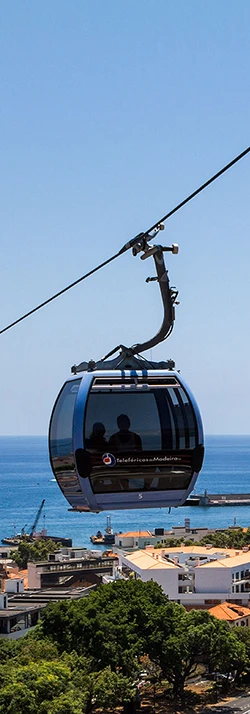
<point x="37" y="518"/>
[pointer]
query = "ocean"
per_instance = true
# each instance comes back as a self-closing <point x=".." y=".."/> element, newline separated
<point x="26" y="479"/>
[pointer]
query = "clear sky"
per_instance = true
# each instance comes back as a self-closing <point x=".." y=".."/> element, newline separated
<point x="111" y="113"/>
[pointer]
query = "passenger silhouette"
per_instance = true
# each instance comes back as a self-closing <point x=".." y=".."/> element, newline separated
<point x="97" y="439"/>
<point x="124" y="440"/>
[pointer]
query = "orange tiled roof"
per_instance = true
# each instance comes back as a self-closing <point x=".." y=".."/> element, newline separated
<point x="229" y="611"/>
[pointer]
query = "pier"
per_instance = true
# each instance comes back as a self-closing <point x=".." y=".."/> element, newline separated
<point x="218" y="499"/>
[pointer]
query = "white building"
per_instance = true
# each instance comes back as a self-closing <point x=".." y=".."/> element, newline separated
<point x="194" y="575"/>
<point x="137" y="539"/>
<point x="141" y="539"/>
<point x="14" y="585"/>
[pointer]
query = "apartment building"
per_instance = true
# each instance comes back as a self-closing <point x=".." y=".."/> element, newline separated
<point x="193" y="575"/>
<point x="69" y="566"/>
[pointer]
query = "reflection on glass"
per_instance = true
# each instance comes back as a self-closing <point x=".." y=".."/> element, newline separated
<point x="61" y="436"/>
<point x="158" y="481"/>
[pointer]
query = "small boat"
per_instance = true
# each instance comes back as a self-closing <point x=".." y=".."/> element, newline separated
<point x="108" y="538"/>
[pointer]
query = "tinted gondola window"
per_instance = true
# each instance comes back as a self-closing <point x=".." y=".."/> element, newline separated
<point x="178" y="417"/>
<point x="110" y="413"/>
<point x="139" y="437"/>
<point x="61" y="436"/>
<point x="189" y="417"/>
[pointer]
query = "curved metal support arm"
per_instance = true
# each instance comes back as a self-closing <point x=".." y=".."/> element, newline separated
<point x="127" y="359"/>
<point x="168" y="298"/>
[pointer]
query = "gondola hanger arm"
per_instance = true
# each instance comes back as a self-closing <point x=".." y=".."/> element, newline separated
<point x="130" y="356"/>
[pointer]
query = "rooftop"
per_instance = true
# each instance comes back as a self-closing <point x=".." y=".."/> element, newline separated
<point x="146" y="560"/>
<point x="229" y="611"/>
<point x="14" y="611"/>
<point x="216" y="557"/>
<point x="20" y="575"/>
<point x="135" y="534"/>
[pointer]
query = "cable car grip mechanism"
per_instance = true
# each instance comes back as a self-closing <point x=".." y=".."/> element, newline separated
<point x="127" y="358"/>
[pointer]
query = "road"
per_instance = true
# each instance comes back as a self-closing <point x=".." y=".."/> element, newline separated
<point x="238" y="705"/>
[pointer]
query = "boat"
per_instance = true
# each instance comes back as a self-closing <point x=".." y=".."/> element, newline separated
<point x="108" y="538"/>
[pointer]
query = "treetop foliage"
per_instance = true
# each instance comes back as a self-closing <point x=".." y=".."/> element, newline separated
<point x="33" y="551"/>
<point x="88" y="653"/>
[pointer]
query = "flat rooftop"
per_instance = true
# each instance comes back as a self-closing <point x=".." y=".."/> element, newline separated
<point x="178" y="556"/>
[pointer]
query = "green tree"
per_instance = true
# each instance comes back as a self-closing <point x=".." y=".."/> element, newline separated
<point x="70" y="703"/>
<point x="112" y="625"/>
<point x="229" y="538"/>
<point x="111" y="689"/>
<point x="8" y="650"/>
<point x="45" y="686"/>
<point x="36" y="650"/>
<point x="186" y="643"/>
<point x="17" y="698"/>
<point x="227" y="652"/>
<point x="35" y="551"/>
<point x="170" y="542"/>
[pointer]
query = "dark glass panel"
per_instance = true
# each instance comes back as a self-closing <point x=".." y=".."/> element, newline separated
<point x="138" y="441"/>
<point x="178" y="418"/>
<point x="190" y="418"/>
<point x="61" y="429"/>
<point x="140" y="431"/>
<point x="160" y="480"/>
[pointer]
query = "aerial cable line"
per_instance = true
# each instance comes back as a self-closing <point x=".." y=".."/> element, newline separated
<point x="42" y="304"/>
<point x="130" y="243"/>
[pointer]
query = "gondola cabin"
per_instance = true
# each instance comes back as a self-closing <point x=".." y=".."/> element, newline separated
<point x="123" y="439"/>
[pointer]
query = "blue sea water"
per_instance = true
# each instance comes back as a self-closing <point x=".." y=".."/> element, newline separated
<point x="26" y="478"/>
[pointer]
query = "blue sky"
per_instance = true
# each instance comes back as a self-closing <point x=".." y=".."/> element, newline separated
<point x="111" y="113"/>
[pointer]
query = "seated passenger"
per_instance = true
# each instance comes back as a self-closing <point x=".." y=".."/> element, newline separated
<point x="124" y="440"/>
<point x="97" y="439"/>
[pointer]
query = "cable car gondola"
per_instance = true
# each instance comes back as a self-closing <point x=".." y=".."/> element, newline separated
<point x="127" y="432"/>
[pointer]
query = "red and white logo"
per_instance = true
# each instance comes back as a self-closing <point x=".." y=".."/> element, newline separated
<point x="109" y="459"/>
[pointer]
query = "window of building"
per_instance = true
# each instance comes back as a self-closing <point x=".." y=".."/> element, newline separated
<point x="237" y="576"/>
<point x="212" y="602"/>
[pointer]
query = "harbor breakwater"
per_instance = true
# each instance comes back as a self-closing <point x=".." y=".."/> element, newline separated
<point x="219" y="499"/>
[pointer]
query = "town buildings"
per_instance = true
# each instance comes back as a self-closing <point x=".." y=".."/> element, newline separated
<point x="68" y="574"/>
<point x="141" y="539"/>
